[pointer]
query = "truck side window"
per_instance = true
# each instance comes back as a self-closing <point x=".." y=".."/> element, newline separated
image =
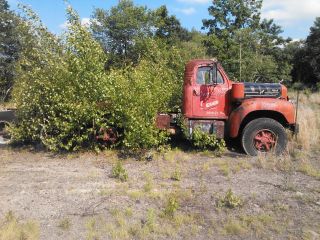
<point x="206" y="76"/>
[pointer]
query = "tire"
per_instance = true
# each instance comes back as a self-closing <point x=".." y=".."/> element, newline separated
<point x="264" y="135"/>
<point x="5" y="137"/>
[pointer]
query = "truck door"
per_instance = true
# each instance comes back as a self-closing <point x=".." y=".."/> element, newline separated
<point x="209" y="93"/>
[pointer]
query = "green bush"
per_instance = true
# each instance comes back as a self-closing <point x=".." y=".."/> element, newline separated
<point x="64" y="95"/>
<point x="60" y="83"/>
<point x="230" y="200"/>
<point x="203" y="141"/>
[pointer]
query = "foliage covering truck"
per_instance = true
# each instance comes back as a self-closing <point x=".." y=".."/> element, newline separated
<point x="257" y="114"/>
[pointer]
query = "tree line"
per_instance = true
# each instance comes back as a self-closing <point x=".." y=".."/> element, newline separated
<point x="250" y="48"/>
<point x="128" y="64"/>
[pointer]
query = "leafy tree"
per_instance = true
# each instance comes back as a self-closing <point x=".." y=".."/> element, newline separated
<point x="9" y="48"/>
<point x="307" y="58"/>
<point x="250" y="49"/>
<point x="227" y="18"/>
<point x="225" y="27"/>
<point x="313" y="51"/>
<point x="276" y="47"/>
<point x="194" y="48"/>
<point x="119" y="29"/>
<point x="169" y="28"/>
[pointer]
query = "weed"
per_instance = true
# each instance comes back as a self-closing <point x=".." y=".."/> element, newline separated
<point x="65" y="224"/>
<point x="176" y="175"/>
<point x="119" y="172"/>
<point x="230" y="200"/>
<point x="171" y="207"/>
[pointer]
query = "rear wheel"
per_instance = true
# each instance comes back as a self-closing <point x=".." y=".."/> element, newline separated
<point x="5" y="137"/>
<point x="264" y="135"/>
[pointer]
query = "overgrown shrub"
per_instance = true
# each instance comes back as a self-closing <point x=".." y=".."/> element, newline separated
<point x="64" y="95"/>
<point x="61" y="81"/>
<point x="202" y="140"/>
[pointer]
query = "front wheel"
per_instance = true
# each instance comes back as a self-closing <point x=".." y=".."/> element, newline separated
<point x="264" y="135"/>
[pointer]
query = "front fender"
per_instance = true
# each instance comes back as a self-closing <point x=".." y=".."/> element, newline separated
<point x="280" y="106"/>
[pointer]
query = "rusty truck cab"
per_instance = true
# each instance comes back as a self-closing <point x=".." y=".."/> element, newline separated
<point x="206" y="96"/>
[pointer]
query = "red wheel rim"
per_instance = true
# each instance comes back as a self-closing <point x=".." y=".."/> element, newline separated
<point x="264" y="140"/>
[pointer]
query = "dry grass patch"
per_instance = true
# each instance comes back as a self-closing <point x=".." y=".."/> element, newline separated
<point x="309" y="121"/>
<point x="249" y="225"/>
<point x="11" y="228"/>
<point x="228" y="166"/>
<point x="308" y="169"/>
<point x="65" y="224"/>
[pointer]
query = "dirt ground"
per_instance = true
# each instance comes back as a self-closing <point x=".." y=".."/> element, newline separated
<point x="174" y="195"/>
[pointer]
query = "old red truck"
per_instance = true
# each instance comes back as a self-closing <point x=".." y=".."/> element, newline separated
<point x="257" y="114"/>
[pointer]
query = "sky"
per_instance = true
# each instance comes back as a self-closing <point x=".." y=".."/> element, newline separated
<point x="294" y="16"/>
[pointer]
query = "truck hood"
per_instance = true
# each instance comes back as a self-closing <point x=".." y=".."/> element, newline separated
<point x="268" y="90"/>
<point x="241" y="91"/>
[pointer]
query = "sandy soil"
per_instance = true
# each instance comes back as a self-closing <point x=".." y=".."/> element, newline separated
<point x="79" y="189"/>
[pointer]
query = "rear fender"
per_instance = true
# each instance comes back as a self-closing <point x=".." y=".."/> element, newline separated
<point x="278" y="109"/>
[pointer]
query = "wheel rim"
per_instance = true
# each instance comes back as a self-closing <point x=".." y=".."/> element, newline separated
<point x="265" y="140"/>
<point x="5" y="137"/>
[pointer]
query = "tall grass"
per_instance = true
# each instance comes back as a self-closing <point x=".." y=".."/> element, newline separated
<point x="309" y="121"/>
